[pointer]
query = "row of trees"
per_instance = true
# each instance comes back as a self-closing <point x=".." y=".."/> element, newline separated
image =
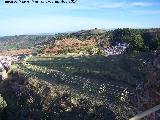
<point x="138" y="39"/>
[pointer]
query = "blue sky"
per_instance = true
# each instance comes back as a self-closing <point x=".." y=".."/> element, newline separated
<point x="33" y="18"/>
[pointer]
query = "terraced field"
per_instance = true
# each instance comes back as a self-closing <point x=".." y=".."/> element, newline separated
<point x="109" y="79"/>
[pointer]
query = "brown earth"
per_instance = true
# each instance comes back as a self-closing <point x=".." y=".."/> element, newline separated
<point x="73" y="44"/>
<point x="16" y="52"/>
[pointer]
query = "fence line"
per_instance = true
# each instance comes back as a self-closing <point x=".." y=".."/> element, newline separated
<point x="145" y="113"/>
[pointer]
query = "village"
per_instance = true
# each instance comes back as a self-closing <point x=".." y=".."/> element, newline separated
<point x="9" y="59"/>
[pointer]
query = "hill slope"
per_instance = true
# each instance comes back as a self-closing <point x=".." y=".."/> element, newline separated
<point x="105" y="79"/>
<point x="139" y="39"/>
<point x="22" y="41"/>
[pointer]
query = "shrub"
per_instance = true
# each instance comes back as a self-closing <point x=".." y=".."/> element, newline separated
<point x="3" y="103"/>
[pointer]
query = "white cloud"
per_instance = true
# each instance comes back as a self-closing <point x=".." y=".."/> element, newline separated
<point x="142" y="4"/>
<point x="125" y="4"/>
<point x="109" y="5"/>
<point x="146" y="11"/>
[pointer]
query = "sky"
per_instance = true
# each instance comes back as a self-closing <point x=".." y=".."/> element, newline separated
<point x="36" y="18"/>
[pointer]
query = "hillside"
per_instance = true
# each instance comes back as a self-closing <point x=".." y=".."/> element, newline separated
<point x="22" y="41"/>
<point x="91" y="34"/>
<point x="39" y="41"/>
<point x="87" y="85"/>
<point x="85" y="34"/>
<point x="58" y="85"/>
<point x="71" y="45"/>
<point x="100" y="78"/>
<point x="16" y="52"/>
<point x="37" y="99"/>
<point x="138" y="39"/>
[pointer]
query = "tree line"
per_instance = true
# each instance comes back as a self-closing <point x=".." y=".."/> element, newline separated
<point x="139" y="40"/>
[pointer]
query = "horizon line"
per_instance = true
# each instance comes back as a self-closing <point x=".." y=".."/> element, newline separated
<point x="53" y="33"/>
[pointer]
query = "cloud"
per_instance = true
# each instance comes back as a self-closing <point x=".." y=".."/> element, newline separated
<point x="95" y="6"/>
<point x="141" y="4"/>
<point x="109" y="5"/>
<point x="146" y="11"/>
<point x="125" y="4"/>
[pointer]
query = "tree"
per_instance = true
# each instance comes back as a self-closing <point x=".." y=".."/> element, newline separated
<point x="100" y="52"/>
<point x="3" y="103"/>
<point x="138" y="42"/>
<point x="122" y="35"/>
<point x="151" y="40"/>
<point x="40" y="50"/>
<point x="105" y="43"/>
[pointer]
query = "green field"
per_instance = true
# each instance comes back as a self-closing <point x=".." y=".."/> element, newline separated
<point x="101" y="78"/>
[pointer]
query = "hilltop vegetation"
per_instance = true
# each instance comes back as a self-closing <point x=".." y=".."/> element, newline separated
<point x="71" y="45"/>
<point x="84" y="34"/>
<point x="138" y="39"/>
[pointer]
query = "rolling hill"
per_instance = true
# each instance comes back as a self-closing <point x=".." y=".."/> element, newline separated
<point x="22" y="41"/>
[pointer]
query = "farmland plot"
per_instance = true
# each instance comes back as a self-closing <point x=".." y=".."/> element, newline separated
<point x="109" y="79"/>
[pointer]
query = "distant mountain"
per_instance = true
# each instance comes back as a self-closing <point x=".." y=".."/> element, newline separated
<point x="46" y="34"/>
<point x="22" y="41"/>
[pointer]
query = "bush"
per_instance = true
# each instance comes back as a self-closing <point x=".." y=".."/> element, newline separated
<point x="100" y="52"/>
<point x="3" y="103"/>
